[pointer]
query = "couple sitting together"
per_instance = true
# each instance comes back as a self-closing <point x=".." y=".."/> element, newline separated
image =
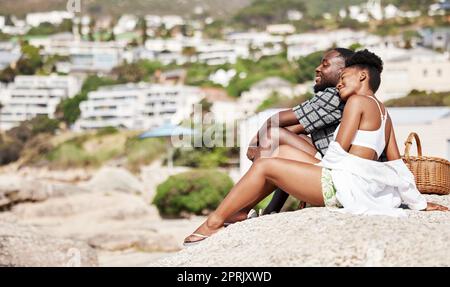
<point x="361" y="171"/>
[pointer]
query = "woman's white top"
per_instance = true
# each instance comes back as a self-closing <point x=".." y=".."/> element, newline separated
<point x="371" y="187"/>
<point x="375" y="140"/>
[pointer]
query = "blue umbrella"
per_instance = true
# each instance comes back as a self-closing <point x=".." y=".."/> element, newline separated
<point x="167" y="131"/>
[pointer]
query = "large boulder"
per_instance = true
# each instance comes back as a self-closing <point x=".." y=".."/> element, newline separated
<point x="143" y="240"/>
<point x="115" y="179"/>
<point x="95" y="207"/>
<point x="26" y="247"/>
<point x="14" y="190"/>
<point x="320" y="237"/>
<point x="111" y="221"/>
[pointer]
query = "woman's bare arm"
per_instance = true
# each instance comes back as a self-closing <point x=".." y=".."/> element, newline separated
<point x="350" y="122"/>
<point x="392" y="152"/>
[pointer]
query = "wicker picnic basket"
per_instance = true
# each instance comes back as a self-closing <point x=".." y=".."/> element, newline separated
<point x="432" y="174"/>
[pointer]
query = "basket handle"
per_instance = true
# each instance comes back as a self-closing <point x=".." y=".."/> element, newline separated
<point x="409" y="142"/>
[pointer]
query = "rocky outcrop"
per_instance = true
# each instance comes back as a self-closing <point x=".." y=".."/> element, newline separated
<point x="26" y="247"/>
<point x="143" y="240"/>
<point x="115" y="179"/>
<point x="110" y="221"/>
<point x="14" y="190"/>
<point x="109" y="215"/>
<point x="319" y="237"/>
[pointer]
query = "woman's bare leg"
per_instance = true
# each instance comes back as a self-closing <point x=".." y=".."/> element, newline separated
<point x="258" y="181"/>
<point x="286" y="152"/>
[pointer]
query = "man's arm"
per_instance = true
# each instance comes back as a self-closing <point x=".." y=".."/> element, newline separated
<point x="323" y="110"/>
<point x="282" y="119"/>
<point x="314" y="114"/>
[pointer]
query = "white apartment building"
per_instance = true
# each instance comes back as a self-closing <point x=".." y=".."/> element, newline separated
<point x="224" y="109"/>
<point x="58" y="44"/>
<point x="217" y="53"/>
<point x="10" y="53"/>
<point x="126" y="23"/>
<point x="222" y="77"/>
<point x="415" y="69"/>
<point x="137" y="106"/>
<point x="95" y="56"/>
<point x="30" y="96"/>
<point x="2" y="22"/>
<point x="53" y="17"/>
<point x="169" y="21"/>
<point x="85" y="56"/>
<point x="280" y="29"/>
<point x="252" y="99"/>
<point x="300" y="45"/>
<point x="294" y="15"/>
<point x="262" y="43"/>
<point x="255" y="39"/>
<point x="211" y="52"/>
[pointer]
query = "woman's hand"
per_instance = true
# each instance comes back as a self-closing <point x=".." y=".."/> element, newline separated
<point x="435" y="207"/>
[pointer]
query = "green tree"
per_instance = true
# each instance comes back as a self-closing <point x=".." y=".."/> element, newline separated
<point x="91" y="30"/>
<point x="263" y="12"/>
<point x="129" y="73"/>
<point x="143" y="29"/>
<point x="355" y="46"/>
<point x="47" y="28"/>
<point x="68" y="110"/>
<point x="7" y="75"/>
<point x="30" y="61"/>
<point x="43" y="124"/>
<point x="195" y="192"/>
<point x="421" y="99"/>
<point x="307" y="65"/>
<point x="189" y="51"/>
<point x="5" y="37"/>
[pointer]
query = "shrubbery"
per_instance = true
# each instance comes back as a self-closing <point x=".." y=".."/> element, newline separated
<point x="10" y="151"/>
<point x="194" y="192"/>
<point x="205" y="157"/>
<point x="29" y="135"/>
<point x="421" y="99"/>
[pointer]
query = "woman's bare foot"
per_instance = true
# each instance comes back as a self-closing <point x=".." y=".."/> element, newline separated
<point x="208" y="228"/>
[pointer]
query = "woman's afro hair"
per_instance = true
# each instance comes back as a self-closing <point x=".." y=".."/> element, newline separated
<point x="367" y="60"/>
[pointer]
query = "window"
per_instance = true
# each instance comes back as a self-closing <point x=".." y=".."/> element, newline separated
<point x="425" y="73"/>
<point x="439" y="73"/>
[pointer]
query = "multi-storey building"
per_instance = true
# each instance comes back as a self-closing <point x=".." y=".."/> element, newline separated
<point x="137" y="106"/>
<point x="31" y="96"/>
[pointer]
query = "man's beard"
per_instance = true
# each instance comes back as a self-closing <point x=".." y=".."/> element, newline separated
<point x="322" y="86"/>
<point x="325" y="83"/>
